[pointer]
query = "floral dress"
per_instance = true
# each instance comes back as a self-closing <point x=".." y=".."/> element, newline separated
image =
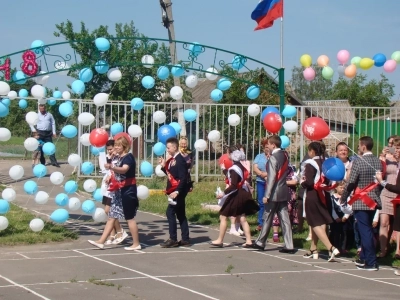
<point x="116" y="211"/>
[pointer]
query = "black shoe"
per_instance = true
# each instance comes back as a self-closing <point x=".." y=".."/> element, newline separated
<point x="183" y="243"/>
<point x="169" y="244"/>
<point x="375" y="267"/>
<point x="257" y="247"/>
<point x="289" y="251"/>
<point x="360" y="262"/>
<point x="56" y="165"/>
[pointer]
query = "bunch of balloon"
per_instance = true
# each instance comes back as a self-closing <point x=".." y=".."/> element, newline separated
<point x="306" y="62"/>
<point x="327" y="71"/>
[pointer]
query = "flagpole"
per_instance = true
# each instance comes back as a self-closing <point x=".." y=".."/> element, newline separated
<point x="281" y="42"/>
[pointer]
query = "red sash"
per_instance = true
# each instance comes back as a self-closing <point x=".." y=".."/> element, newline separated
<point x="116" y="185"/>
<point x="174" y="183"/>
<point x="245" y="176"/>
<point x="321" y="188"/>
<point x="282" y="170"/>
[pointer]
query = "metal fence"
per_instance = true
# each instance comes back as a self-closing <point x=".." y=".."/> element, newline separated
<point x="346" y="123"/>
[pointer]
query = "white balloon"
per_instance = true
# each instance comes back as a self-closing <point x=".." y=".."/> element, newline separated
<point x="147" y="61"/>
<point x="211" y="76"/>
<point x="84" y="139"/>
<point x="100" y="99"/>
<point x="142" y="192"/>
<point x="41" y="197"/>
<point x="32" y="118"/>
<point x="234" y="120"/>
<point x="159" y="172"/>
<point x="200" y="145"/>
<point x="114" y="74"/>
<point x="191" y="81"/>
<point x="135" y="130"/>
<point x="16" y="172"/>
<point x="31" y="144"/>
<point x="5" y="134"/>
<point x="74" y="204"/>
<point x="9" y="194"/>
<point x="99" y="215"/>
<point x="12" y="95"/>
<point x="60" y="65"/>
<point x="291" y="126"/>
<point x="66" y="95"/>
<point x="159" y="117"/>
<point x="85" y="118"/>
<point x="42" y="79"/>
<point x="4" y="88"/>
<point x="36" y="225"/>
<point x="42" y="101"/>
<point x="176" y="93"/>
<point x="56" y="178"/>
<point x="214" y="135"/>
<point x="3" y="223"/>
<point x="38" y="91"/>
<point x="253" y="110"/>
<point x="74" y="160"/>
<point x="89" y="185"/>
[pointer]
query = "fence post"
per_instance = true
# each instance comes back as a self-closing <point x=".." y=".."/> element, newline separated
<point x="388" y="128"/>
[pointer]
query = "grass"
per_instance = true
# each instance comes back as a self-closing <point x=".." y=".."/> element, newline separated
<point x="229" y="269"/>
<point x="19" y="233"/>
<point x="97" y="281"/>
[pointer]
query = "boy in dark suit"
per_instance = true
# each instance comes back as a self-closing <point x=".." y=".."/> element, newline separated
<point x="177" y="188"/>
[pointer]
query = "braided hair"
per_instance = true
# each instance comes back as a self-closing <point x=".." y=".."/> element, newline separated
<point x="319" y="149"/>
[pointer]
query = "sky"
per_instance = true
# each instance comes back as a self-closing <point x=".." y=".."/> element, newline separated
<point x="315" y="27"/>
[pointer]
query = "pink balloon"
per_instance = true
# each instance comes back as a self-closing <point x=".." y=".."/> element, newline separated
<point x="390" y="65"/>
<point x="343" y="56"/>
<point x="309" y="74"/>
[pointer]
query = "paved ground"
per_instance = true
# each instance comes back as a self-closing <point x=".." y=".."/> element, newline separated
<point x="77" y="271"/>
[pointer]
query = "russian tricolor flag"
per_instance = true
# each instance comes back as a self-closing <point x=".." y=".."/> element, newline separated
<point x="266" y="12"/>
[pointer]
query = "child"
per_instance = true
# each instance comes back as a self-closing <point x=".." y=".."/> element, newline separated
<point x="36" y="154"/>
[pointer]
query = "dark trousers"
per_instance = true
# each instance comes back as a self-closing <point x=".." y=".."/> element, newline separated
<point x="337" y="235"/>
<point x="364" y="222"/>
<point x="46" y="136"/>
<point x="178" y="212"/>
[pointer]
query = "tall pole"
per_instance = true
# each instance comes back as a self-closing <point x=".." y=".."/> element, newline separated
<point x="281" y="77"/>
<point x="168" y="21"/>
<point x="281" y="42"/>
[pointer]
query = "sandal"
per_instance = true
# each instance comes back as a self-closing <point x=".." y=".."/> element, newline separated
<point x="275" y="237"/>
<point x="248" y="246"/>
<point x="311" y="254"/>
<point x="335" y="252"/>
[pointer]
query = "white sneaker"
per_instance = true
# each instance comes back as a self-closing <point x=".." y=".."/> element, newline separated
<point x="119" y="240"/>
<point x="397" y="272"/>
<point x="234" y="232"/>
<point x="109" y="242"/>
<point x="98" y="245"/>
<point x="240" y="231"/>
<point x="133" y="248"/>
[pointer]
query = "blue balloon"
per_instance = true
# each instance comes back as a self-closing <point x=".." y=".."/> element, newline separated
<point x="39" y="170"/>
<point x="30" y="187"/>
<point x="379" y="59"/>
<point x="71" y="187"/>
<point x="57" y="94"/>
<point x="176" y="126"/>
<point x="177" y="70"/>
<point x="146" y="169"/>
<point x="165" y="132"/>
<point x="159" y="149"/>
<point x="116" y="128"/>
<point x="268" y="110"/>
<point x="195" y="49"/>
<point x="6" y="101"/>
<point x="148" y="82"/>
<point x="4" y="206"/>
<point x="69" y="131"/>
<point x="69" y="102"/>
<point x="51" y="102"/>
<point x="224" y="84"/>
<point x="101" y="67"/>
<point x="87" y="168"/>
<point x="334" y="169"/>
<point x="62" y="199"/>
<point x="59" y="215"/>
<point x="19" y="77"/>
<point x="137" y="104"/>
<point x="86" y="74"/>
<point x="190" y="115"/>
<point x="238" y="62"/>
<point x="98" y="195"/>
<point x="78" y="87"/>
<point x="4" y="111"/>
<point x="102" y="44"/>
<point x="289" y="111"/>
<point x="96" y="150"/>
<point x="253" y="92"/>
<point x="23" y="103"/>
<point x="49" y="148"/>
<point x="163" y="72"/>
<point x="88" y="206"/>
<point x="65" y="109"/>
<point x="22" y="93"/>
<point x="216" y="95"/>
<point x="285" y="141"/>
<point x="37" y="46"/>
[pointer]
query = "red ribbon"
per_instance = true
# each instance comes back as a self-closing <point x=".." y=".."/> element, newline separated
<point x="321" y="188"/>
<point x="174" y="183"/>
<point x="116" y="185"/>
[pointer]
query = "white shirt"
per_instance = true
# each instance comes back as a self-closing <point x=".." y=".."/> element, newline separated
<point x="275" y="150"/>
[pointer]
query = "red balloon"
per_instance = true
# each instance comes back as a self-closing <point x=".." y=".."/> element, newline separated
<point x="125" y="135"/>
<point x="272" y="122"/>
<point x="98" y="137"/>
<point x="226" y="161"/>
<point x="315" y="128"/>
